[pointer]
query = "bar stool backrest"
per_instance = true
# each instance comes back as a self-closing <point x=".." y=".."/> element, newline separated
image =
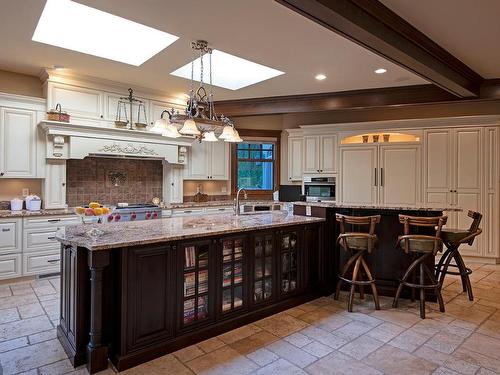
<point x="370" y="221"/>
<point x="436" y="222"/>
<point x="474" y="227"/>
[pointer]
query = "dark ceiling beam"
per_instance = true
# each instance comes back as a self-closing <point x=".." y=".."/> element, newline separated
<point x="333" y="101"/>
<point x="375" y="27"/>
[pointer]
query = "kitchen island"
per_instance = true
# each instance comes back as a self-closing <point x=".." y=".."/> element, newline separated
<point x="147" y="288"/>
<point x="387" y="263"/>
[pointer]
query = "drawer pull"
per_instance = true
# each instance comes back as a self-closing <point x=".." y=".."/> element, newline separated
<point x="51" y="238"/>
<point x="5" y="229"/>
<point x="188" y="211"/>
<point x="222" y="209"/>
<point x="53" y="261"/>
<point x="54" y="220"/>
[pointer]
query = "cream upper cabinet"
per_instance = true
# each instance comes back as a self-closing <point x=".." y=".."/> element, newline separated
<point x="359" y="174"/>
<point x="295" y="152"/>
<point x="208" y="161"/>
<point x="111" y="108"/>
<point x="399" y="175"/>
<point x="18" y="143"/>
<point x="320" y="154"/>
<point x="77" y="101"/>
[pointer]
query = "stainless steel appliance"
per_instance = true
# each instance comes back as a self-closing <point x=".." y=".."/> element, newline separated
<point x="132" y="212"/>
<point x="319" y="188"/>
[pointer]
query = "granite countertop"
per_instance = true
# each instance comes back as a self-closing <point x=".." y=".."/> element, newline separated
<point x="224" y="203"/>
<point x="177" y="228"/>
<point x="379" y="206"/>
<point x="26" y="213"/>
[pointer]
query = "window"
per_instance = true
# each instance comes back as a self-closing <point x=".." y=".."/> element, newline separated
<point x="255" y="166"/>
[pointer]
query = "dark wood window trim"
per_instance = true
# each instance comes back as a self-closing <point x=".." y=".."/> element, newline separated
<point x="249" y="134"/>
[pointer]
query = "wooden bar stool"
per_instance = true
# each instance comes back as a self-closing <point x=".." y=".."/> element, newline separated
<point x="453" y="238"/>
<point x="357" y="244"/>
<point x="422" y="247"/>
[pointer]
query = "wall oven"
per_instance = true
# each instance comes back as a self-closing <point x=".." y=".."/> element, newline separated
<point x="319" y="188"/>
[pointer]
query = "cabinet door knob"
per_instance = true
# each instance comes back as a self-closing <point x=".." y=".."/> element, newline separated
<point x="1" y="173"/>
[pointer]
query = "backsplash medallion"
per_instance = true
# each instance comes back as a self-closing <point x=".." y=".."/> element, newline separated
<point x="110" y="181"/>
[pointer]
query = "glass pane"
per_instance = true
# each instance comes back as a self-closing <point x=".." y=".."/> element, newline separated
<point x="267" y="146"/>
<point x="258" y="248"/>
<point x="255" y="155"/>
<point x="190" y="257"/>
<point x="254" y="146"/>
<point x="227" y="272"/>
<point x="255" y="175"/>
<point x="238" y="273"/>
<point x="242" y="154"/>
<point x="203" y="258"/>
<point x="268" y="288"/>
<point x="202" y="307"/>
<point x="258" y="269"/>
<point x="286" y="242"/>
<point x="285" y="261"/>
<point x="267" y="155"/>
<point x="269" y="246"/>
<point x="226" y="300"/>
<point x="238" y="296"/>
<point x="243" y="146"/>
<point x="258" y="292"/>
<point x="189" y="284"/>
<point x="203" y="281"/>
<point x="268" y="267"/>
<point x="188" y="311"/>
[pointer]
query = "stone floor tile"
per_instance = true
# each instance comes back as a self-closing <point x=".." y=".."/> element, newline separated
<point x="57" y="368"/>
<point x="444" y="342"/>
<point x="30" y="372"/>
<point x="19" y="342"/>
<point x="477" y="359"/>
<point x="444" y="371"/>
<point x="432" y="355"/>
<point x="51" y="307"/>
<point x="361" y="347"/>
<point x="295" y="311"/>
<point x="222" y="361"/>
<point x="483" y="344"/>
<point x="291" y="353"/>
<point x="254" y="342"/>
<point x="8" y="315"/>
<point x="24" y="327"/>
<point x="188" y="353"/>
<point x="16" y="300"/>
<point x="340" y="364"/>
<point x="317" y="349"/>
<point x="298" y="339"/>
<point x="239" y="333"/>
<point x="5" y="291"/>
<point x="404" y="319"/>
<point x="385" y="332"/>
<point x="45" y="290"/>
<point x="42" y="336"/>
<point x="21" y="289"/>
<point x="280" y="367"/>
<point x="392" y="360"/>
<point x="325" y="337"/>
<point x="31" y="310"/>
<point x="409" y="340"/>
<point x="211" y="344"/>
<point x="485" y="371"/>
<point x="262" y="356"/>
<point x="490" y="328"/>
<point x="352" y="330"/>
<point x="167" y="364"/>
<point x="49" y="297"/>
<point x="29" y="357"/>
<point x="282" y="326"/>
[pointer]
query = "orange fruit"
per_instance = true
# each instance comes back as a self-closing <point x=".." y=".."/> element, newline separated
<point x="80" y="210"/>
<point x="94" y="204"/>
<point x="98" y="211"/>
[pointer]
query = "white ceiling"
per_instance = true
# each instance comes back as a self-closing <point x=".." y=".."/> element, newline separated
<point x="259" y="30"/>
<point x="468" y="29"/>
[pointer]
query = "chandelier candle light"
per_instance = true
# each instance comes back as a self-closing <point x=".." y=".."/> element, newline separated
<point x="200" y="119"/>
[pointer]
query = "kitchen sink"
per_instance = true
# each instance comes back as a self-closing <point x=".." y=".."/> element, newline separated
<point x="260" y="208"/>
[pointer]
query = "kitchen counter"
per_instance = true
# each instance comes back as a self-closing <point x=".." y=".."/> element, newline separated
<point x="224" y="203"/>
<point x="26" y="213"/>
<point x="378" y="206"/>
<point x="176" y="228"/>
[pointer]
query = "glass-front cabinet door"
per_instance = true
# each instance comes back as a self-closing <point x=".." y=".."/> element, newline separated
<point x="195" y="282"/>
<point x="263" y="268"/>
<point x="289" y="262"/>
<point x="233" y="275"/>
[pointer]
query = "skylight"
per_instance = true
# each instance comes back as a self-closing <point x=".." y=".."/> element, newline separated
<point x="229" y="71"/>
<point x="80" y="28"/>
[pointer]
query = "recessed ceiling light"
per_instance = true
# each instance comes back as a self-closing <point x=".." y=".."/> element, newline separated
<point x="229" y="71"/>
<point x="380" y="71"/>
<point x="80" y="28"/>
<point x="320" y="77"/>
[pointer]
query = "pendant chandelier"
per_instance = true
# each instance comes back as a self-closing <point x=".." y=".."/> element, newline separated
<point x="200" y="119"/>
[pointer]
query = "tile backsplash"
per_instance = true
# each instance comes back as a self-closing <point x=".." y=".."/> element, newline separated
<point x="110" y="181"/>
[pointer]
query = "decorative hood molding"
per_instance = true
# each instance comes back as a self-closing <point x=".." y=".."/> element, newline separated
<point x="72" y="141"/>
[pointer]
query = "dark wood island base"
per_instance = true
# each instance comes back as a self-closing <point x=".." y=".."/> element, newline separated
<point x="134" y="303"/>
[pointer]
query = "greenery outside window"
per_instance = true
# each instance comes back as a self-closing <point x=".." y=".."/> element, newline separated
<point x="255" y="166"/>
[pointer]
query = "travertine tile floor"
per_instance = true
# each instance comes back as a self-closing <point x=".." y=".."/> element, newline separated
<point x="319" y="337"/>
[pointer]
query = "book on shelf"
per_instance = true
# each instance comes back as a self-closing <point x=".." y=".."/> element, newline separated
<point x="189" y="284"/>
<point x="227" y="273"/>
<point x="190" y="255"/>
<point x="203" y="281"/>
<point x="189" y="315"/>
<point x="202" y="307"/>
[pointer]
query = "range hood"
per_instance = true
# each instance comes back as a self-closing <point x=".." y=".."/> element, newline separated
<point x="73" y="141"/>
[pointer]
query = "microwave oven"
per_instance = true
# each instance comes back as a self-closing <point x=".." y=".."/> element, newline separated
<point x="319" y="188"/>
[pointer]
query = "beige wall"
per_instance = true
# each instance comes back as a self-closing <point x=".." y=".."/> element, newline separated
<point x="11" y="188"/>
<point x="207" y="187"/>
<point x="20" y="84"/>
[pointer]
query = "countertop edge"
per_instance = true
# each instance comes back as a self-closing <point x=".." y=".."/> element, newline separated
<point x="377" y="207"/>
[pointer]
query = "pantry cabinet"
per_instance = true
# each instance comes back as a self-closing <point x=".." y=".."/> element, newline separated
<point x="208" y="161"/>
<point x="18" y="143"/>
<point x="295" y="158"/>
<point x="320" y="154"/>
<point x="54" y="186"/>
<point x="173" y="183"/>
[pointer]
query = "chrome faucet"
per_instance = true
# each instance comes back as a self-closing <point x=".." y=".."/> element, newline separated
<point x="237" y="203"/>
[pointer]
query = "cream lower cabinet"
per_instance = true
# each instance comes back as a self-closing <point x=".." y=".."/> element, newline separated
<point x="455" y="173"/>
<point x="17" y="143"/>
<point x="381" y="174"/>
<point x="208" y="161"/>
<point x="10" y="248"/>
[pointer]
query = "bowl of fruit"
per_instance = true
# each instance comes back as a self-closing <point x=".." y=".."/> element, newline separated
<point x="94" y="213"/>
